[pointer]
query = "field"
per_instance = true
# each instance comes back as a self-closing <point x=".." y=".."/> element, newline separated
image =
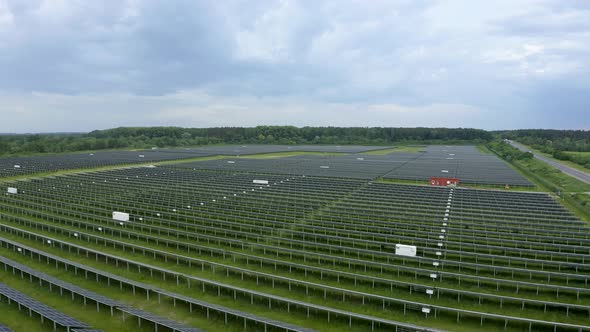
<point x="292" y="243"/>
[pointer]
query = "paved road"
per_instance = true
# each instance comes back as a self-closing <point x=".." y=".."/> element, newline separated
<point x="582" y="176"/>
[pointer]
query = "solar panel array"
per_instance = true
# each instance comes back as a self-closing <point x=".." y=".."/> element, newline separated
<point x="257" y="149"/>
<point x="174" y="326"/>
<point x="463" y="162"/>
<point x="23" y="249"/>
<point x="4" y="328"/>
<point x="350" y="166"/>
<point x="141" y="314"/>
<point x="60" y="283"/>
<point x="322" y="246"/>
<point x="12" y="166"/>
<point x="47" y="312"/>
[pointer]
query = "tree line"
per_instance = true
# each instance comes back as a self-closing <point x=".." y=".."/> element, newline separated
<point x="147" y="137"/>
<point x="561" y="144"/>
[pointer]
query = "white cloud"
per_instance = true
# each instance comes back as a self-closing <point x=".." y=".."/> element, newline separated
<point x="6" y="16"/>
<point x="234" y="62"/>
<point x="200" y="109"/>
<point x="517" y="55"/>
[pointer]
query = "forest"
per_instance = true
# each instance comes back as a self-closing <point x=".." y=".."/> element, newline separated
<point x="573" y="145"/>
<point x="147" y="137"/>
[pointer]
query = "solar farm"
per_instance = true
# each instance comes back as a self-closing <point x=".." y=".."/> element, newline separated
<point x="337" y="241"/>
<point x="15" y="166"/>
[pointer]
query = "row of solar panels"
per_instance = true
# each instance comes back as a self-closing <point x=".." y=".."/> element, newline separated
<point x="563" y="247"/>
<point x="473" y="168"/>
<point x="560" y="266"/>
<point x="74" y="191"/>
<point x="517" y="258"/>
<point x="11" y="166"/>
<point x="64" y="320"/>
<point x="145" y="267"/>
<point x="150" y="289"/>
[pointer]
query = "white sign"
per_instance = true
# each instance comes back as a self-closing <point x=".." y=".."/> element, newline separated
<point x="429" y="291"/>
<point x="141" y="156"/>
<point x="444" y="171"/>
<point x="16" y="166"/>
<point x="433" y="275"/>
<point x="12" y="190"/>
<point x="426" y="310"/>
<point x="324" y="166"/>
<point x="231" y="162"/>
<point x="260" y="181"/>
<point x="360" y="158"/>
<point x="120" y="216"/>
<point x="405" y="250"/>
<point x="435" y="263"/>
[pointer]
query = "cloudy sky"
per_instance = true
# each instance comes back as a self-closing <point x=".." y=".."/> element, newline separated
<point x="81" y="65"/>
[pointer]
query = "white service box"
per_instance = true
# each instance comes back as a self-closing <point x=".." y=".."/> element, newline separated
<point x="405" y="250"/>
<point x="120" y="216"/>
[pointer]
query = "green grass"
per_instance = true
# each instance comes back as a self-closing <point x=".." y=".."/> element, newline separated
<point x="19" y="320"/>
<point x="565" y="162"/>
<point x="555" y="176"/>
<point x="576" y="153"/>
<point x="483" y="149"/>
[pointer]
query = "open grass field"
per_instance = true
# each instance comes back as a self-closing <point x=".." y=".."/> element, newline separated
<point x="296" y="253"/>
<point x="566" y="162"/>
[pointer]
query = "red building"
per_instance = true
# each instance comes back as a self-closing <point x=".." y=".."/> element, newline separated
<point x="443" y="182"/>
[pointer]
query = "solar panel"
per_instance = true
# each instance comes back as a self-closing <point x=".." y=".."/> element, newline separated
<point x="4" y="328"/>
<point x="65" y="285"/>
<point x="159" y="320"/>
<point x="222" y="309"/>
<point x="40" y="308"/>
